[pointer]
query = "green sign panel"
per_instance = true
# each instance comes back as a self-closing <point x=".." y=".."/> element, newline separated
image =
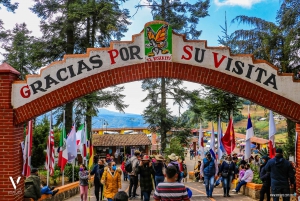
<point x="158" y="42"/>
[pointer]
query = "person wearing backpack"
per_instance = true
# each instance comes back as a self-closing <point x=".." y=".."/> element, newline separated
<point x="133" y="180"/>
<point x="33" y="185"/>
<point x="98" y="171"/>
<point x="174" y="161"/>
<point x="209" y="169"/>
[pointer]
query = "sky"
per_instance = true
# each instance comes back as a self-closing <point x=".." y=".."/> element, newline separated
<point x="210" y="26"/>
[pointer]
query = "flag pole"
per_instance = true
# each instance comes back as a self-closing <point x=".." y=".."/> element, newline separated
<point x="63" y="172"/>
<point x="48" y="149"/>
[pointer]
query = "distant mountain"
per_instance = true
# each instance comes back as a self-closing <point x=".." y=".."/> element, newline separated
<point x="114" y="119"/>
<point x="117" y="120"/>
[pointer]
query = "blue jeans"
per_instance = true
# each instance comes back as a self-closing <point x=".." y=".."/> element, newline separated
<point x="227" y="182"/>
<point x="159" y="179"/>
<point x="219" y="180"/>
<point x="109" y="199"/>
<point x="209" y="184"/>
<point x="146" y="195"/>
<point x="46" y="190"/>
<point x="240" y="184"/>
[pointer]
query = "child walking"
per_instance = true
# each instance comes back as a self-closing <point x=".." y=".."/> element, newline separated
<point x="83" y="182"/>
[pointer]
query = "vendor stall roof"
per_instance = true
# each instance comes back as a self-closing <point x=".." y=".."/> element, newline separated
<point x="108" y="140"/>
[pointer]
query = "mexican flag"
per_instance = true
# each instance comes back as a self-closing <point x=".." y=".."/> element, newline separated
<point x="63" y="151"/>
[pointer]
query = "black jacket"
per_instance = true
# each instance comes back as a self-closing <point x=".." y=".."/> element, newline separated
<point x="281" y="171"/>
<point x="98" y="172"/>
<point x="226" y="167"/>
<point x="264" y="176"/>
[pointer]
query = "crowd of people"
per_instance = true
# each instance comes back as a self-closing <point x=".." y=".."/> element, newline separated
<point x="147" y="172"/>
<point x="165" y="176"/>
<point x="277" y="174"/>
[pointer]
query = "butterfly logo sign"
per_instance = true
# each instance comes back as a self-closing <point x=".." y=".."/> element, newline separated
<point x="158" y="45"/>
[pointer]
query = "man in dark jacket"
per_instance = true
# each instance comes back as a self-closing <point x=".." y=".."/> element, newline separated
<point x="209" y="169"/>
<point x="146" y="177"/>
<point x="33" y="185"/>
<point x="282" y="176"/>
<point x="98" y="171"/>
<point x="265" y="178"/>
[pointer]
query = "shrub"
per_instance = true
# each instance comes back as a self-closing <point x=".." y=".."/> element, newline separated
<point x="69" y="172"/>
<point x="256" y="178"/>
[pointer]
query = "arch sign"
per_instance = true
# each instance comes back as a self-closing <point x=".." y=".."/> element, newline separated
<point x="155" y="44"/>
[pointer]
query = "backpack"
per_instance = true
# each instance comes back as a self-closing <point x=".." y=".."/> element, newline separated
<point x="184" y="170"/>
<point x="128" y="166"/>
<point x="178" y="170"/>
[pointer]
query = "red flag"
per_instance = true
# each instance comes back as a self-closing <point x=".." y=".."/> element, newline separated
<point x="27" y="150"/>
<point x="228" y="139"/>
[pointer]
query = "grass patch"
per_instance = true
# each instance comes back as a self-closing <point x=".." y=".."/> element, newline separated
<point x="261" y="124"/>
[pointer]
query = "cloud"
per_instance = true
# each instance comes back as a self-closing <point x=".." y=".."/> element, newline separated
<point x="241" y="3"/>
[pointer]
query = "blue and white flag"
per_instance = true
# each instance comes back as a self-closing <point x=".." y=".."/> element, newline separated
<point x="212" y="142"/>
<point x="221" y="149"/>
<point x="249" y="135"/>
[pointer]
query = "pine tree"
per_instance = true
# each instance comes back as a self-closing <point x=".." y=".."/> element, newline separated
<point x="183" y="18"/>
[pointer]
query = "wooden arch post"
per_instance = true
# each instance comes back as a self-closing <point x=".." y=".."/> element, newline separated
<point x="11" y="157"/>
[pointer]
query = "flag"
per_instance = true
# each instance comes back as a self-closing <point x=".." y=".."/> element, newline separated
<point x="228" y="140"/>
<point x="272" y="131"/>
<point x="27" y="150"/>
<point x="249" y="135"/>
<point x="50" y="152"/>
<point x="212" y="142"/>
<point x="83" y="142"/>
<point x="79" y="135"/>
<point x="71" y="145"/>
<point x="200" y="141"/>
<point x="221" y="149"/>
<point x="62" y="145"/>
<point x="64" y="150"/>
<point x="91" y="160"/>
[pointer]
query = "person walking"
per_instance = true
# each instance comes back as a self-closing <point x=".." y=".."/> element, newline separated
<point x="197" y="171"/>
<point x="98" y="172"/>
<point x="171" y="189"/>
<point x="174" y="162"/>
<point x="125" y="174"/>
<point x="265" y="178"/>
<point x="133" y="177"/>
<point x="83" y="182"/>
<point x="248" y="176"/>
<point x="282" y="175"/>
<point x="111" y="179"/>
<point x="227" y="172"/>
<point x="209" y="170"/>
<point x="191" y="154"/>
<point x="159" y="167"/>
<point x="146" y="172"/>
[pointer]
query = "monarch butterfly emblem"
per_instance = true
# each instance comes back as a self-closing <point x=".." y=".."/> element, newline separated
<point x="158" y="42"/>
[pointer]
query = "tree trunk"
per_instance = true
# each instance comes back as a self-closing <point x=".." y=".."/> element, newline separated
<point x="69" y="50"/>
<point x="163" y="117"/>
<point x="89" y="121"/>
